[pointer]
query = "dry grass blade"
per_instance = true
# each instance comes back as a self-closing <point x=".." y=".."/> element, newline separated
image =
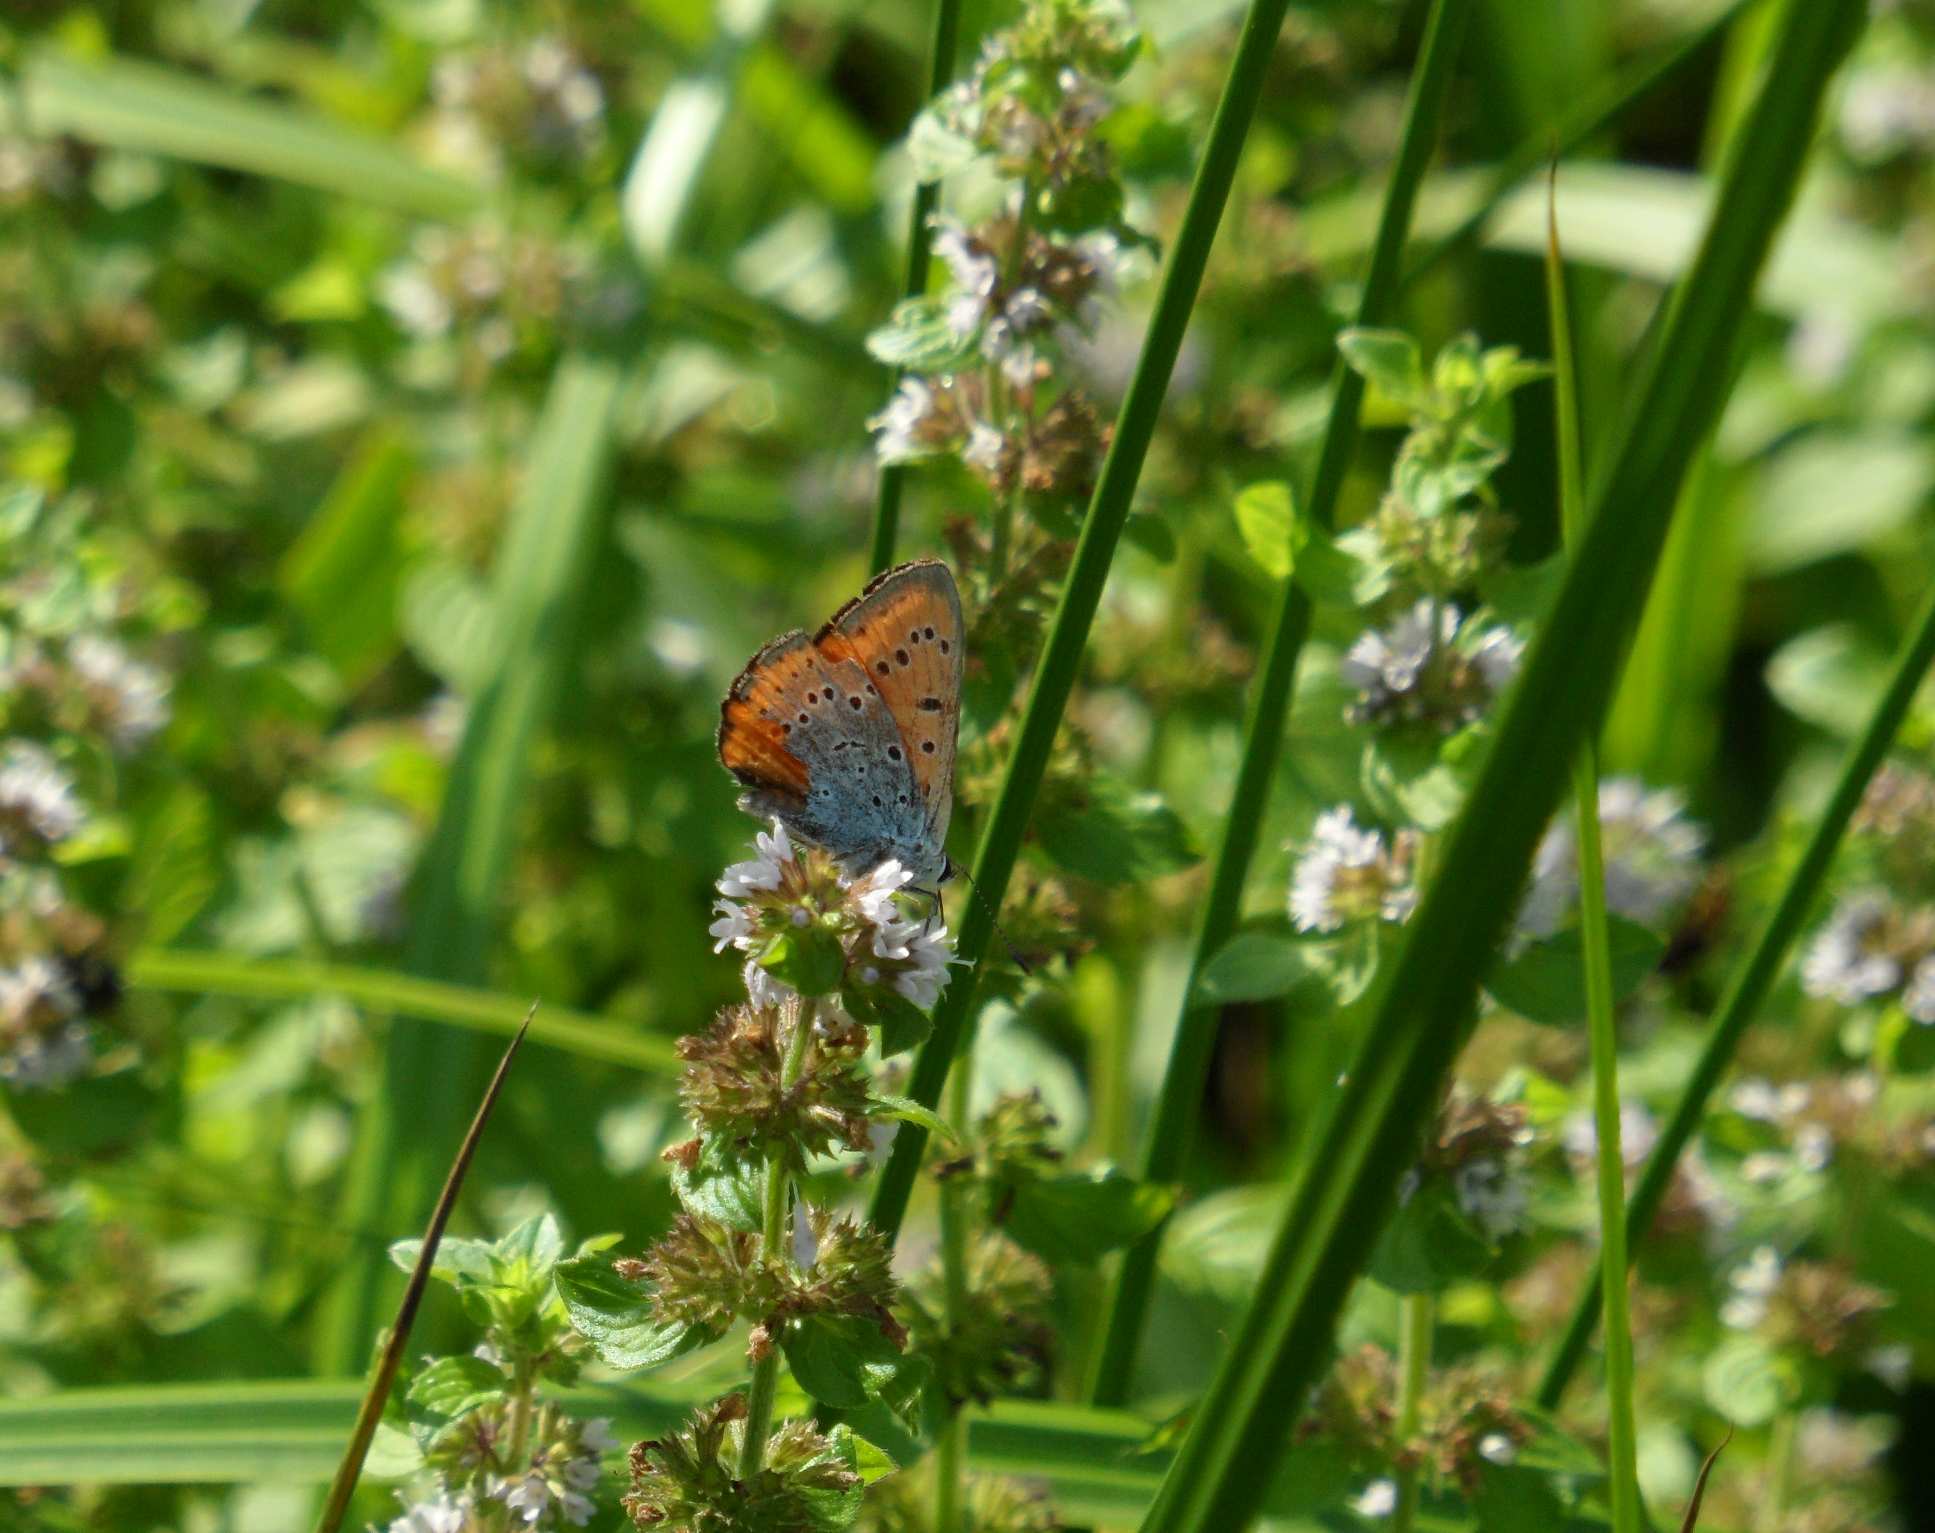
<point x="351" y="1469"/>
<point x="1700" y="1484"/>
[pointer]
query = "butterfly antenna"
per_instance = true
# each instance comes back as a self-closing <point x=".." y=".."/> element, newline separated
<point x="994" y="920"/>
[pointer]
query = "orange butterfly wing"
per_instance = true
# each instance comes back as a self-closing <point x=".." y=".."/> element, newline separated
<point x="752" y="734"/>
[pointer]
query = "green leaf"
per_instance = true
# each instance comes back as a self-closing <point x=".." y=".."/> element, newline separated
<point x="1334" y="574"/>
<point x="834" y="1511"/>
<point x="345" y="572"/>
<point x="1078" y="1218"/>
<point x="1547" y="981"/>
<point x="841" y="1360"/>
<point x="453" y="1386"/>
<point x="918" y="338"/>
<point x="1430" y="1244"/>
<point x="1827" y="495"/>
<point x="1415" y="774"/>
<point x="459" y="1262"/>
<point x="1266" y="515"/>
<point x="1514" y="1498"/>
<point x="1388" y="360"/>
<point x="1257" y="966"/>
<point x="726" y="1184"/>
<point x="1152" y="534"/>
<point x="615" y="1315"/>
<point x="936" y="150"/>
<point x="1829" y="676"/>
<point x="1110" y="833"/>
<point x="121" y="103"/>
<point x="907" y="1110"/>
<point x="808" y="958"/>
<point x="897" y="1021"/>
<point x="1747" y="1382"/>
<point x="89" y="1116"/>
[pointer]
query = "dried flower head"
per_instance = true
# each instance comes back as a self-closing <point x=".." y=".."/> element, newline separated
<point x="688" y="1482"/>
<point x="732" y="1085"/>
<point x="1003" y="1336"/>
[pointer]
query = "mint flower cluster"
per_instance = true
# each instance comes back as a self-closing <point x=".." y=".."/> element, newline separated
<point x="77" y="703"/>
<point x="777" y="1089"/>
<point x="985" y="361"/>
<point x="486" y="1451"/>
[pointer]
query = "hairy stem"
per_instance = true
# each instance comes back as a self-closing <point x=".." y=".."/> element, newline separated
<point x="774" y="1237"/>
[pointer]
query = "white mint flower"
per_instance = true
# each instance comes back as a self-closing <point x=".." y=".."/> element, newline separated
<point x="1652" y="858"/>
<point x="1752" y="1284"/>
<point x="1432" y="664"/>
<point x="762" y="872"/>
<point x="1497" y="1448"/>
<point x="1638" y="1133"/>
<point x="1918" y="1000"/>
<point x="131" y="697"/>
<point x="1345" y="875"/>
<point x="1492" y="1194"/>
<point x="37" y="799"/>
<point x="1377" y="1499"/>
<point x="925" y="951"/>
<point x="985" y="448"/>
<point x="1386" y="662"/>
<point x="1843" y="962"/>
<point x="445" y="1514"/>
<point x="898" y="427"/>
<point x="1497" y="655"/>
<point x="44" y="1043"/>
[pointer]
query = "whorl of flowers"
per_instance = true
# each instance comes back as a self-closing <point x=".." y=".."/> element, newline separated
<point x="1433" y="665"/>
<point x="553" y="1486"/>
<point x="688" y="1481"/>
<point x="1346" y="874"/>
<point x="1003" y="1334"/>
<point x="1652" y="857"/>
<point x="1479" y="1146"/>
<point x="810" y="928"/>
<point x="732" y="1085"/>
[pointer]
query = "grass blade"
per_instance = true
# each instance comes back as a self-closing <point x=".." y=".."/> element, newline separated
<point x="927" y="197"/>
<point x="1596" y="943"/>
<point x="1068" y="634"/>
<point x="123" y="104"/>
<point x="1178" y="1099"/>
<point x="402" y="995"/>
<point x="557" y="524"/>
<point x="1345" y="1193"/>
<point x="1756" y="974"/>
<point x="343" y="1486"/>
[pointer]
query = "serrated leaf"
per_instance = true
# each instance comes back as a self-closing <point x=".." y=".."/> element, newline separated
<point x="452" y="1386"/>
<point x="614" y="1314"/>
<point x="1547" y="983"/>
<point x="1430" y="1244"/>
<point x="897" y="1022"/>
<point x="1107" y="832"/>
<point x="907" y="1110"/>
<point x="726" y="1184"/>
<point x="841" y="1360"/>
<point x="1389" y="361"/>
<point x="1266" y="515"/>
<point x="458" y="1262"/>
<point x="919" y="338"/>
<point x="1077" y="1218"/>
<point x="1256" y="966"/>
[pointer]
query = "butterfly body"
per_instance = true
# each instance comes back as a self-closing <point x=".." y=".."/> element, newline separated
<point x="847" y="737"/>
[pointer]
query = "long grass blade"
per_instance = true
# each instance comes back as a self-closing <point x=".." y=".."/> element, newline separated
<point x="1749" y="984"/>
<point x="1178" y="1099"/>
<point x="343" y="1486"/>
<point x="927" y="197"/>
<point x="1422" y="1015"/>
<point x="557" y="524"/>
<point x="1108" y="509"/>
<point x="1596" y="941"/>
<point x="125" y="104"/>
<point x="288" y="979"/>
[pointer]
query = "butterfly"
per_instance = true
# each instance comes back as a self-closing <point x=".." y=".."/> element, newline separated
<point x="847" y="738"/>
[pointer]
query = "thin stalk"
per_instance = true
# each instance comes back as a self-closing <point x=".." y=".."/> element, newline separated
<point x="1173" y="1124"/>
<point x="1424" y="1007"/>
<point x="1101" y="530"/>
<point x="951" y="1450"/>
<point x="927" y="196"/>
<point x="522" y="1386"/>
<point x="1596" y="945"/>
<point x="1755" y="976"/>
<point x="1415" y="1314"/>
<point x="774" y="1236"/>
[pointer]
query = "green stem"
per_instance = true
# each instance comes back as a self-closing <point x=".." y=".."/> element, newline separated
<point x="927" y="196"/>
<point x="1101" y="530"/>
<point x="1601" y="1024"/>
<point x="523" y="1385"/>
<point x="774" y="1236"/>
<point x="951" y="1450"/>
<point x="1755" y="976"/>
<point x="1173" y="1124"/>
<point x="1414" y="1372"/>
<point x="1772" y="1513"/>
